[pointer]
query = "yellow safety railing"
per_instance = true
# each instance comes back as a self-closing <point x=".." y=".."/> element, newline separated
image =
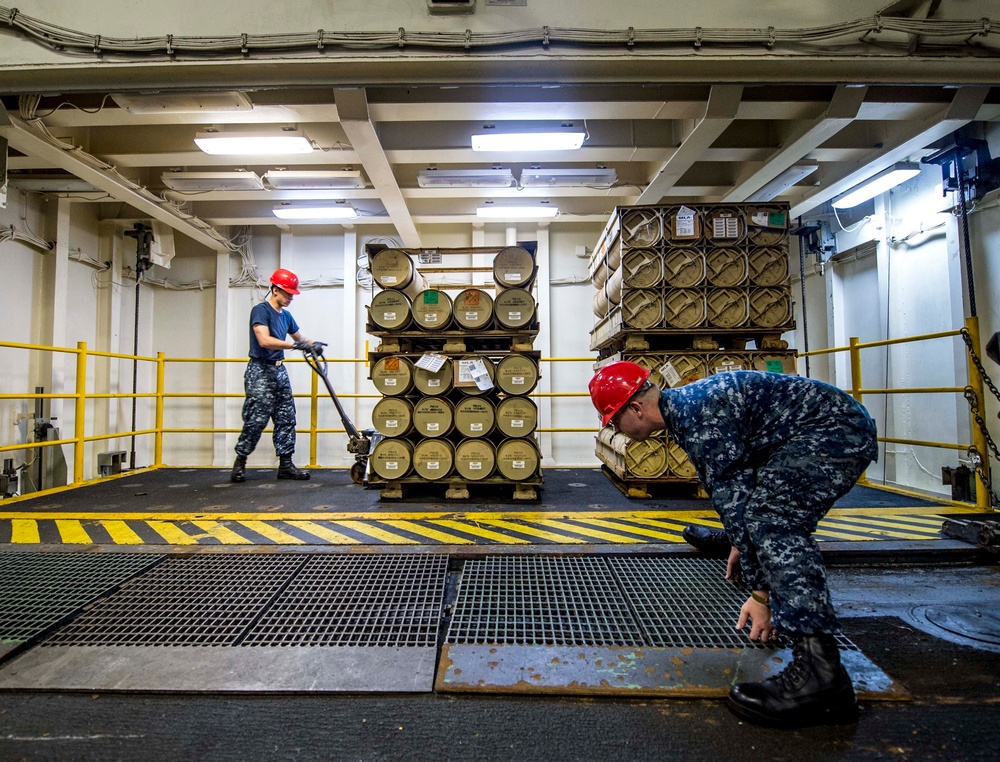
<point x="857" y="390"/>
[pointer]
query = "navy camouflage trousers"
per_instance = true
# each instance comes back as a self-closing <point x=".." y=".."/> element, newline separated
<point x="268" y="396"/>
<point x="795" y="488"/>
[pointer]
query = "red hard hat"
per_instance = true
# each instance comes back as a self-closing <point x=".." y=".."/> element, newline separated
<point x="613" y="385"/>
<point x="286" y="280"/>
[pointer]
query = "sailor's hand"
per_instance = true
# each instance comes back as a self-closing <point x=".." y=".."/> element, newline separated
<point x="759" y="616"/>
<point x="318" y="347"/>
<point x="301" y="346"/>
<point x="734" y="572"/>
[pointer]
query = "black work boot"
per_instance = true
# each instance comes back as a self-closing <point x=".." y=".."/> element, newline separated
<point x="814" y="689"/>
<point x="287" y="469"/>
<point x="239" y="467"/>
<point x="713" y="542"/>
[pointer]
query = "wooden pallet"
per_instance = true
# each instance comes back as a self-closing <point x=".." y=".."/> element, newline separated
<point x="664" y="487"/>
<point x="460" y="341"/>
<point x="459" y="489"/>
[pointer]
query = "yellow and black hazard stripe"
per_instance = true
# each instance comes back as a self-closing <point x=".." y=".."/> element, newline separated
<point x="430" y="528"/>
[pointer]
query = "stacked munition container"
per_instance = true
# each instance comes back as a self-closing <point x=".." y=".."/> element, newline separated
<point x="687" y="290"/>
<point x="455" y="372"/>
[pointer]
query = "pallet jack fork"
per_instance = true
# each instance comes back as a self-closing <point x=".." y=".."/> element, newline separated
<point x="359" y="443"/>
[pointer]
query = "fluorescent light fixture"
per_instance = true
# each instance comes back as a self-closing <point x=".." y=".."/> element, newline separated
<point x="182" y="103"/>
<point x="517" y="212"/>
<point x="50" y="183"/>
<point x="783" y="182"/>
<point x="289" y="179"/>
<point x="211" y="181"/>
<point x="568" y="178"/>
<point x="252" y="143"/>
<point x="880" y="183"/>
<point x="465" y="178"/>
<point x="338" y="212"/>
<point x="527" y="141"/>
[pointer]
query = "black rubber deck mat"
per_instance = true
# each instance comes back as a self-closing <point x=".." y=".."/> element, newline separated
<point x="39" y="590"/>
<point x="252" y="623"/>
<point x="619" y="626"/>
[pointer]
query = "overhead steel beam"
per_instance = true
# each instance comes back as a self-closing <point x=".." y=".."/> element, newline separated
<point x="720" y="111"/>
<point x="352" y="105"/>
<point x="22" y="137"/>
<point x="844" y="108"/>
<point x="964" y="108"/>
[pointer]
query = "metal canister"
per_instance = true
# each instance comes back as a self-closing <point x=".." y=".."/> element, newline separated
<point x="432" y="309"/>
<point x="394" y="268"/>
<point x="433" y="458"/>
<point x="390" y="310"/>
<point x="392" y="375"/>
<point x="392" y="416"/>
<point x="475" y="459"/>
<point x="513" y="267"/>
<point x="514" y="308"/>
<point x="473" y="309"/>
<point x="517" y="374"/>
<point x="517" y="416"/>
<point x="518" y="459"/>
<point x="642" y="308"/>
<point x="464" y="379"/>
<point x="391" y="458"/>
<point x="436" y="382"/>
<point x="725" y="225"/>
<point x="475" y="417"/>
<point x="433" y="416"/>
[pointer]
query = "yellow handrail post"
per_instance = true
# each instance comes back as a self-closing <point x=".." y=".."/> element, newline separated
<point x="79" y="423"/>
<point x="978" y="439"/>
<point x="160" y="385"/>
<point x="856" y="387"/>
<point x="313" y="419"/>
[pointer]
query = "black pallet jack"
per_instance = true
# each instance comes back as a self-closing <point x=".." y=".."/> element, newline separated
<point x="359" y="443"/>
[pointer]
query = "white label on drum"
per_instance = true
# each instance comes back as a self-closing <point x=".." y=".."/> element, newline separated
<point x="684" y="228"/>
<point x="431" y="317"/>
<point x="471" y="315"/>
<point x="433" y="426"/>
<point x="514" y="315"/>
<point x="389" y="278"/>
<point x="388" y="315"/>
<point x="391" y="465"/>
<point x="475" y="465"/>
<point x="391" y="424"/>
<point x="519" y="380"/>
<point x="433" y="465"/>
<point x="518" y="464"/>
<point x="517" y="423"/>
<point x="670" y="374"/>
<point x="476" y="427"/>
<point x="512" y="276"/>
<point x="389" y="381"/>
<point x="432" y="382"/>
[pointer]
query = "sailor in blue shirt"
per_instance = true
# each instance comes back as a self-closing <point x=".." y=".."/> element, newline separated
<point x="774" y="452"/>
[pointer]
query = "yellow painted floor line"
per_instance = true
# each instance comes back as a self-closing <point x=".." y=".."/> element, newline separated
<point x="324" y="533"/>
<point x="637" y="530"/>
<point x="471" y="527"/>
<point x="121" y="533"/>
<point x="925" y="530"/>
<point x="379" y="534"/>
<point x="24" y="531"/>
<point x="529" y="530"/>
<point x="678" y="526"/>
<point x="825" y="531"/>
<point x="173" y="534"/>
<point x="595" y="533"/>
<point x="883" y="529"/>
<point x="433" y="534"/>
<point x="264" y="529"/>
<point x="225" y="535"/>
<point x="72" y="532"/>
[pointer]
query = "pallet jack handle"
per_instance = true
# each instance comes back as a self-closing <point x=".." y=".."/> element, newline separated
<point x="313" y="354"/>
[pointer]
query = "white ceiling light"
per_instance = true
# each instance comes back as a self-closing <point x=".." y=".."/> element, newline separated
<point x="252" y="143"/>
<point x="527" y="141"/>
<point x="182" y="103"/>
<point x="880" y="183"/>
<point x="465" y="178"/>
<point x="288" y="179"/>
<point x="568" y="178"/>
<point x="517" y="212"/>
<point x="212" y="181"/>
<point x="338" y="212"/>
<point x="783" y="182"/>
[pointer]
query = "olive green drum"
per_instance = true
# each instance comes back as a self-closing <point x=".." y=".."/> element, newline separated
<point x="518" y="459"/>
<point x="394" y="268"/>
<point x="473" y="309"/>
<point x="475" y="459"/>
<point x="392" y="416"/>
<point x="392" y="376"/>
<point x="433" y="416"/>
<point x="517" y="416"/>
<point x="463" y="375"/>
<point x="391" y="458"/>
<point x="433" y="458"/>
<point x="434" y="382"/>
<point x="390" y="310"/>
<point x="513" y="267"/>
<point x="432" y="310"/>
<point x="514" y="308"/>
<point x="517" y="374"/>
<point x="474" y="417"/>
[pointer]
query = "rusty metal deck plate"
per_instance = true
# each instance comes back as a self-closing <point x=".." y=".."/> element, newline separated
<point x="612" y="626"/>
<point x="252" y="623"/>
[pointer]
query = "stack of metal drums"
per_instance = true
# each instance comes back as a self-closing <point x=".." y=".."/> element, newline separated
<point x="455" y="372"/>
<point x="688" y="290"/>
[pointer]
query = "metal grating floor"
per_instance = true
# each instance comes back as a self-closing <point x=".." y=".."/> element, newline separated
<point x="37" y="591"/>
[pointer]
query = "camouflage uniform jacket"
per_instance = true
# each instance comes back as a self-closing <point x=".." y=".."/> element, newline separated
<point x="730" y="423"/>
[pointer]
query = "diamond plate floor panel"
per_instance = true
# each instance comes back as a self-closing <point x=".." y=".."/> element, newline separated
<point x="252" y="623"/>
<point x="678" y="616"/>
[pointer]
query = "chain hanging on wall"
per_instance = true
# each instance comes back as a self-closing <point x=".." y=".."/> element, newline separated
<point x="978" y="458"/>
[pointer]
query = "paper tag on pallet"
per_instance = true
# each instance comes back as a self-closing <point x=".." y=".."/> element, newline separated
<point x="670" y="374"/>
<point x="685" y="223"/>
<point x="431" y="361"/>
<point x="474" y="370"/>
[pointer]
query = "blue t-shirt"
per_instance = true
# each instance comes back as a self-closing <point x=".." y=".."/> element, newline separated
<point x="279" y="324"/>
